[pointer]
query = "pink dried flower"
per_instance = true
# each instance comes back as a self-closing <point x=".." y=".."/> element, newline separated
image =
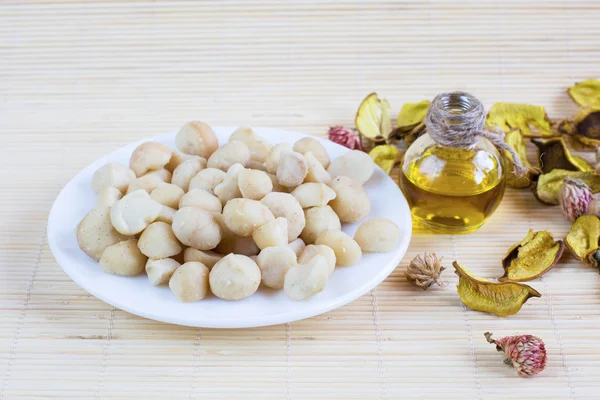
<point x="346" y="137"/>
<point x="526" y="353"/>
<point x="574" y="198"/>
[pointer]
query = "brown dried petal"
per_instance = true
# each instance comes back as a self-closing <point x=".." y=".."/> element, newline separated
<point x="502" y="299"/>
<point x="532" y="257"/>
<point x="548" y="185"/>
<point x="554" y="154"/>
<point x="584" y="237"/>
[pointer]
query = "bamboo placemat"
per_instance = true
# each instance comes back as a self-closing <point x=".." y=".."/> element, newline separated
<point x="80" y="79"/>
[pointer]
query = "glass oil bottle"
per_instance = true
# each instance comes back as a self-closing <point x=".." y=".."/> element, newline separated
<point x="452" y="189"/>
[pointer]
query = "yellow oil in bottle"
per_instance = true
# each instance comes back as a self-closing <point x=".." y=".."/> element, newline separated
<point x="452" y="190"/>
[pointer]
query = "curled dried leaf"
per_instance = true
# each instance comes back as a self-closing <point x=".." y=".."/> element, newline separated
<point x="549" y="185"/>
<point x="532" y="120"/>
<point x="583" y="238"/>
<point x="373" y="119"/>
<point x="411" y="121"/>
<point x="385" y="156"/>
<point x="515" y="139"/>
<point x="586" y="93"/>
<point x="554" y="154"/>
<point x="584" y="126"/>
<point x="532" y="257"/>
<point x="502" y="299"/>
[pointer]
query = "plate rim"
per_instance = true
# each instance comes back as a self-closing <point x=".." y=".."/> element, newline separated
<point x="268" y="320"/>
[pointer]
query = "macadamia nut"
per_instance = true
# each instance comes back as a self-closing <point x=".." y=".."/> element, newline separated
<point x="197" y="228"/>
<point x="134" y="212"/>
<point x="197" y="138"/>
<point x="285" y="205"/>
<point x="207" y="179"/>
<point x="183" y="174"/>
<point x="158" y="241"/>
<point x="292" y="169"/>
<point x="303" y="281"/>
<point x="244" y="216"/>
<point x="355" y="164"/>
<point x="316" y="172"/>
<point x="254" y="184"/>
<point x="237" y="245"/>
<point x="274" y="263"/>
<point x="297" y="246"/>
<point x="168" y="195"/>
<point x="229" y="188"/>
<point x="347" y="251"/>
<point x="235" y="277"/>
<point x="259" y="148"/>
<point x="189" y="282"/>
<point x="312" y="250"/>
<point x="166" y="215"/>
<point x="319" y="220"/>
<point x="112" y="175"/>
<point x="146" y="182"/>
<point x="272" y="161"/>
<point x="107" y="197"/>
<point x="313" y="194"/>
<point x="160" y="271"/>
<point x="123" y="258"/>
<point x="201" y="199"/>
<point x="377" y="235"/>
<point x="273" y="233"/>
<point x="234" y="152"/>
<point x="312" y="145"/>
<point x="149" y="156"/>
<point x="352" y="202"/>
<point x="95" y="233"/>
<point x="208" y="258"/>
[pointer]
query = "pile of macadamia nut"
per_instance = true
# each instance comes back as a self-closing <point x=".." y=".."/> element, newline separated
<point x="224" y="219"/>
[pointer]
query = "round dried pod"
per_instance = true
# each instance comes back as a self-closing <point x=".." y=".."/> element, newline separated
<point x="207" y="179"/>
<point x="254" y="184"/>
<point x="166" y="215"/>
<point x="197" y="228"/>
<point x="243" y="216"/>
<point x="237" y="245"/>
<point x="235" y="277"/>
<point x="272" y="161"/>
<point x="319" y="220"/>
<point x="95" y="233"/>
<point x="285" y="205"/>
<point x="208" y="258"/>
<point x="183" y="174"/>
<point x="149" y="156"/>
<point x="259" y="148"/>
<point x="107" y="197"/>
<point x="235" y="152"/>
<point x="162" y="174"/>
<point x="347" y="251"/>
<point x="274" y="233"/>
<point x="134" y="212"/>
<point x="160" y="271"/>
<point x="354" y="164"/>
<point x="274" y="263"/>
<point x="147" y="183"/>
<point x="303" y="281"/>
<point x="297" y="246"/>
<point x="201" y="199"/>
<point x="112" y="175"/>
<point x="229" y="188"/>
<point x="312" y="145"/>
<point x="352" y="202"/>
<point x="316" y="171"/>
<point x="123" y="258"/>
<point x="197" y="138"/>
<point x="168" y="195"/>
<point x="178" y="158"/>
<point x="189" y="282"/>
<point x="158" y="241"/>
<point x="292" y="169"/>
<point x="312" y="250"/>
<point x="377" y="235"/>
<point x="313" y="194"/>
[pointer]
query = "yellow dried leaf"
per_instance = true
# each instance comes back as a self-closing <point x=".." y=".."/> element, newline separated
<point x="554" y="154"/>
<point x="532" y="257"/>
<point x="515" y="139"/>
<point x="584" y="126"/>
<point x="412" y="114"/>
<point x="385" y="156"/>
<point x="586" y="93"/>
<point x="523" y="116"/>
<point x="502" y="299"/>
<point x="373" y="118"/>
<point x="548" y="185"/>
<point x="584" y="236"/>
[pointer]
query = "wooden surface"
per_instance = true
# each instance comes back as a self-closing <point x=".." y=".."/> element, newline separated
<point x="79" y="79"/>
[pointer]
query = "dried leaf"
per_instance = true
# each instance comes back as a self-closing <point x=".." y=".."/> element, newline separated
<point x="412" y="114"/>
<point x="523" y="116"/>
<point x="584" y="126"/>
<point x="548" y="185"/>
<point x="586" y="93"/>
<point x="385" y="156"/>
<point x="515" y="139"/>
<point x="373" y="118"/>
<point x="554" y="154"/>
<point x="532" y="257"/>
<point x="502" y="299"/>
<point x="584" y="237"/>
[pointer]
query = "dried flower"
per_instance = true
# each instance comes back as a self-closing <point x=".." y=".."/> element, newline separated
<point x="526" y="353"/>
<point x="574" y="198"/>
<point x="424" y="270"/>
<point x="344" y="136"/>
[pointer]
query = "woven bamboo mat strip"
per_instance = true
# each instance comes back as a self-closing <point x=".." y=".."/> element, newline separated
<point x="80" y="79"/>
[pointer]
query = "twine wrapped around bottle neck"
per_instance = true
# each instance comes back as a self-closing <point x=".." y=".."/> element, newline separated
<point x="457" y="119"/>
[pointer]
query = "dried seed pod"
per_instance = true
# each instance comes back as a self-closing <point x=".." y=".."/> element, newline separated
<point x="515" y="139"/>
<point x="526" y="353"/>
<point x="554" y="154"/>
<point x="502" y="299"/>
<point x="549" y="185"/>
<point x="385" y="156"/>
<point x="373" y="119"/>
<point x="508" y="116"/>
<point x="411" y="121"/>
<point x="584" y="236"/>
<point x="532" y="257"/>
<point x="584" y="126"/>
<point x="424" y="270"/>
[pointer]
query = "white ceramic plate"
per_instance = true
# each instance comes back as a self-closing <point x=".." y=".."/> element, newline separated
<point x="266" y="307"/>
